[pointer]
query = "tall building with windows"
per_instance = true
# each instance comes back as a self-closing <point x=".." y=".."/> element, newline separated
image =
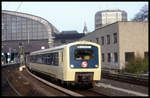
<point x="33" y="31"/>
<point x="106" y="17"/>
<point x="119" y="42"/>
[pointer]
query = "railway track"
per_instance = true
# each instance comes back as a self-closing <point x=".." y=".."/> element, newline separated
<point x="7" y="87"/>
<point x="71" y="91"/>
<point x="12" y="78"/>
<point x="21" y="83"/>
<point x="45" y="88"/>
<point x="27" y="89"/>
<point x="89" y="92"/>
<point x="126" y="78"/>
<point x="66" y="91"/>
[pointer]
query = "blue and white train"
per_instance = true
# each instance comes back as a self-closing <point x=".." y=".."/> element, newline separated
<point x="74" y="63"/>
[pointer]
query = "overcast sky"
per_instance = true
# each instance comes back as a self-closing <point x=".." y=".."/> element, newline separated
<point x="71" y="15"/>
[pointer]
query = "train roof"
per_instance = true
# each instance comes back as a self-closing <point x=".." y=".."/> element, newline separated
<point x="49" y="49"/>
<point x="60" y="47"/>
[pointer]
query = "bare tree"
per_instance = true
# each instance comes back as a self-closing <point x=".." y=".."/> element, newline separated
<point x="142" y="15"/>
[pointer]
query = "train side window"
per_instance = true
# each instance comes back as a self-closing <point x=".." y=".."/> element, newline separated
<point x="52" y="58"/>
<point x="44" y="58"/>
<point x="62" y="57"/>
<point x="48" y="59"/>
<point x="34" y="59"/>
<point x="39" y="59"/>
<point x="56" y="58"/>
<point x="31" y="60"/>
<point x="37" y="56"/>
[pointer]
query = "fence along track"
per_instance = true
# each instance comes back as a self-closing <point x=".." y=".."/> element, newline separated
<point x="126" y="78"/>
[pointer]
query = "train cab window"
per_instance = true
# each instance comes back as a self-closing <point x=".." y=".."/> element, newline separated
<point x="83" y="54"/>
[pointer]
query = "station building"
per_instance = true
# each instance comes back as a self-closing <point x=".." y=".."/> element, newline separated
<point x="32" y="31"/>
<point x="119" y="42"/>
<point x="20" y="27"/>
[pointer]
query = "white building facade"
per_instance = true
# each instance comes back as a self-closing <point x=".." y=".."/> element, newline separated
<point x="106" y="17"/>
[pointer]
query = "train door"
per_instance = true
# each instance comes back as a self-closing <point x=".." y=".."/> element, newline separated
<point x="27" y="60"/>
<point x="61" y="64"/>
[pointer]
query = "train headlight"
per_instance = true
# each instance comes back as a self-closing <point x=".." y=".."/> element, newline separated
<point x="96" y="65"/>
<point x="72" y="66"/>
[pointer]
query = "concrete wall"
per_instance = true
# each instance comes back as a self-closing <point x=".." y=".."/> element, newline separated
<point x="133" y="37"/>
<point x="106" y="48"/>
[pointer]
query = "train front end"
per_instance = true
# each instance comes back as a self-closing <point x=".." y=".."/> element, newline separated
<point x="84" y="66"/>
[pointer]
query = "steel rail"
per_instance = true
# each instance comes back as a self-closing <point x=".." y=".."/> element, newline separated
<point x="66" y="91"/>
<point x="9" y="83"/>
<point x="13" y="87"/>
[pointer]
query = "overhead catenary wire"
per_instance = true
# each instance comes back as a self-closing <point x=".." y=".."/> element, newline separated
<point x="19" y="6"/>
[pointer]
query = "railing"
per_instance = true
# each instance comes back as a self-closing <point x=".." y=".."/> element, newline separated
<point x="10" y="64"/>
<point x="126" y="78"/>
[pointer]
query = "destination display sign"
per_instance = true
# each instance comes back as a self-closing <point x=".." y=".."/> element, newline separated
<point x="83" y="46"/>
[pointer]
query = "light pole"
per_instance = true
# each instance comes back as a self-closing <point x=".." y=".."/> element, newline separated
<point x="21" y="53"/>
<point x="8" y="59"/>
<point x="3" y="59"/>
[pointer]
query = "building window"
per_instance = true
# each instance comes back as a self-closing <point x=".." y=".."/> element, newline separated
<point x="97" y="40"/>
<point x="2" y="25"/>
<point x="129" y="56"/>
<point x="108" y="39"/>
<point x="108" y="57"/>
<point x="103" y="57"/>
<point x="115" y="38"/>
<point x="102" y="40"/>
<point x="115" y="57"/>
<point x="145" y="55"/>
